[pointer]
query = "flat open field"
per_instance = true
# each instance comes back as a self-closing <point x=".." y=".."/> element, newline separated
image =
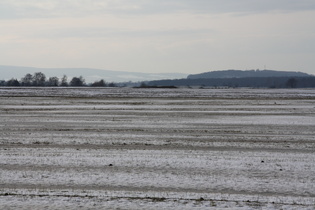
<point x="123" y="148"/>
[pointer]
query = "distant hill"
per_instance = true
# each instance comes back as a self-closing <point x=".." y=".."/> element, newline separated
<point x="239" y="78"/>
<point x="90" y="75"/>
<point x="244" y="74"/>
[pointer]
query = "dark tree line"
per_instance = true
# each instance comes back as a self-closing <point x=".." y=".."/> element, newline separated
<point x="254" y="82"/>
<point x="39" y="79"/>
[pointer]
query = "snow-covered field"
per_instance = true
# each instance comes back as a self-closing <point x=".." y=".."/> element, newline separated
<point x="124" y="148"/>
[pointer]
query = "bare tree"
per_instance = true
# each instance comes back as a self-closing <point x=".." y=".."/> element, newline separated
<point x="53" y="81"/>
<point x="112" y="84"/>
<point x="13" y="82"/>
<point x="100" y="83"/>
<point x="64" y="81"/>
<point x="27" y="80"/>
<point x="77" y="81"/>
<point x="39" y="79"/>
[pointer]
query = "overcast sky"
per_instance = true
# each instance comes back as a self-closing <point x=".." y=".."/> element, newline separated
<point x="187" y="36"/>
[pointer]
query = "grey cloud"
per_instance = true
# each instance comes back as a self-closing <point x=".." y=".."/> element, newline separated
<point x="233" y="6"/>
<point x="74" y="8"/>
<point x="8" y="11"/>
<point x="98" y="32"/>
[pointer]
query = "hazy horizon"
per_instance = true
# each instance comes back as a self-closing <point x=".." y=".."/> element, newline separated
<point x="89" y="74"/>
<point x="92" y="75"/>
<point x="178" y="36"/>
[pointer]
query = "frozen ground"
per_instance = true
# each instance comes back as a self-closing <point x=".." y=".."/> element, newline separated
<point x="126" y="148"/>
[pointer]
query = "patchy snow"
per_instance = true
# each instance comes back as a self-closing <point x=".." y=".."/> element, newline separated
<point x="152" y="149"/>
<point x="155" y="93"/>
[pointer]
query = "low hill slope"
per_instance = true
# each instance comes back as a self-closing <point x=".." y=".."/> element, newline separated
<point x="247" y="73"/>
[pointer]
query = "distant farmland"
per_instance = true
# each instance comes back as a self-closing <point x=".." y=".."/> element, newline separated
<point x="157" y="148"/>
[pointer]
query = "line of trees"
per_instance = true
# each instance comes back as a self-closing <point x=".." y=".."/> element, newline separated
<point x="254" y="82"/>
<point x="39" y="79"/>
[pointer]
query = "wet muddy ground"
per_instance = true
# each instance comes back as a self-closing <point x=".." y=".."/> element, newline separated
<point x="127" y="148"/>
